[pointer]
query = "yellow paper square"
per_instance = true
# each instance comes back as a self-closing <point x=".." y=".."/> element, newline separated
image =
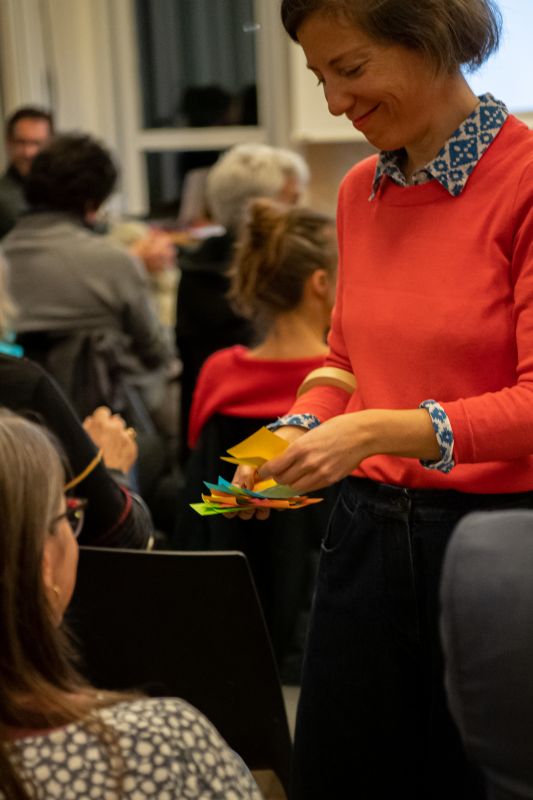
<point x="260" y="445"/>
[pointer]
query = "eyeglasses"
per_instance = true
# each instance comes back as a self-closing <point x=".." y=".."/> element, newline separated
<point x="75" y="514"/>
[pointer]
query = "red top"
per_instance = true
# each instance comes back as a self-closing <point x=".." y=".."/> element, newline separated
<point x="234" y="383"/>
<point x="435" y="301"/>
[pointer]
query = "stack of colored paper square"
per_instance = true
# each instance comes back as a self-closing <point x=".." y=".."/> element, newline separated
<point x="226" y="498"/>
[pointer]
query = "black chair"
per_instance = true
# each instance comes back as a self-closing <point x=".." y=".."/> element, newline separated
<point x="282" y="551"/>
<point x="187" y="625"/>
<point x="87" y="366"/>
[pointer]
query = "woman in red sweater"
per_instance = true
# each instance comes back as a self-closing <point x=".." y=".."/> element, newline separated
<point x="434" y="317"/>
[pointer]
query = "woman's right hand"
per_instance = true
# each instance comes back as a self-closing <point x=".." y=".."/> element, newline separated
<point x="246" y="477"/>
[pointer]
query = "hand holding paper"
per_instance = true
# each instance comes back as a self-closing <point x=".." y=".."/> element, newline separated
<point x="226" y="498"/>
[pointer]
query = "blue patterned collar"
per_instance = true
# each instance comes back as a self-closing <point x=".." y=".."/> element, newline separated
<point x="454" y="164"/>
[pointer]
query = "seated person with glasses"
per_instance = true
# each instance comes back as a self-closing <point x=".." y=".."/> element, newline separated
<point x="60" y="736"/>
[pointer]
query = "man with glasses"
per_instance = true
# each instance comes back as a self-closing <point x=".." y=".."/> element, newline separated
<point x="28" y="130"/>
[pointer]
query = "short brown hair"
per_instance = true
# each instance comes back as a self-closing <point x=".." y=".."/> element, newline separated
<point x="450" y="33"/>
<point x="279" y="248"/>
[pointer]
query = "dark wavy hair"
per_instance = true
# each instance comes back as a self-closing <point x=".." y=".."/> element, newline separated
<point x="74" y="173"/>
<point x="451" y="33"/>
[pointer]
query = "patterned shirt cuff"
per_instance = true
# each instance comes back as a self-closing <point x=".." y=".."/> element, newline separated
<point x="306" y="421"/>
<point x="443" y="431"/>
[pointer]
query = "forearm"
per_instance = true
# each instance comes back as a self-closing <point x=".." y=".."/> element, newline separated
<point x="408" y="433"/>
<point x="132" y="529"/>
<point x="331" y="451"/>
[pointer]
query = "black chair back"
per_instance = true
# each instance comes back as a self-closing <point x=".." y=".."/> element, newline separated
<point x="87" y="366"/>
<point x="187" y="625"/>
<point x="282" y="551"/>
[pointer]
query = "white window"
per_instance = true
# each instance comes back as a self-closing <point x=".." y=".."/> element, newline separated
<point x="193" y="78"/>
<point x="88" y="60"/>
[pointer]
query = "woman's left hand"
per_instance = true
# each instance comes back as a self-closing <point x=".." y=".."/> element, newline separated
<point x="323" y="456"/>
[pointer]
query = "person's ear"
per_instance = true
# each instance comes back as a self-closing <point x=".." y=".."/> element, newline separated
<point x="47" y="564"/>
<point x="320" y="282"/>
<point x="51" y="588"/>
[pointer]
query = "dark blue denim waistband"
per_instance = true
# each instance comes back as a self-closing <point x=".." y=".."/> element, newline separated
<point x="391" y="500"/>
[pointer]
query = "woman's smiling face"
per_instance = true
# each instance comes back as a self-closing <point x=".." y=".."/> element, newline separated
<point x="389" y="92"/>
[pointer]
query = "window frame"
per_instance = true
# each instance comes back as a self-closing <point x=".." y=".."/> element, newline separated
<point x="134" y="140"/>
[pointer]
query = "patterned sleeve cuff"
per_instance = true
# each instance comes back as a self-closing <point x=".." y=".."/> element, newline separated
<point x="443" y="431"/>
<point x="306" y="421"/>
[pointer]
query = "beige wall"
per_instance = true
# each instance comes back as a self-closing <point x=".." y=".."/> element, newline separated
<point x="329" y="163"/>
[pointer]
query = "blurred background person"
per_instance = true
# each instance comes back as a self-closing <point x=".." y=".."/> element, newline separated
<point x="28" y="130"/>
<point x="283" y="280"/>
<point x="84" y="309"/>
<point x="71" y="284"/>
<point x="100" y="457"/>
<point x="205" y="319"/>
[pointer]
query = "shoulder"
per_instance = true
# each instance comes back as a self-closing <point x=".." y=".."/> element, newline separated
<point x="181" y="745"/>
<point x="20" y="374"/>
<point x="152" y="714"/>
<point x="228" y="356"/>
<point x="219" y="362"/>
<point x="359" y="178"/>
<point x="217" y="369"/>
<point x="114" y="252"/>
<point x="513" y="147"/>
<point x="109" y="260"/>
<point x="211" y="255"/>
<point x="155" y="747"/>
<point x="5" y="180"/>
<point x="9" y="186"/>
<point x="27" y="389"/>
<point x="512" y="166"/>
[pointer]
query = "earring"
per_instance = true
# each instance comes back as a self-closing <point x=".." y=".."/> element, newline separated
<point x="56" y="590"/>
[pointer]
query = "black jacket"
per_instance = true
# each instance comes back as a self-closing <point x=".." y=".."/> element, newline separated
<point x="205" y="320"/>
<point x="114" y="516"/>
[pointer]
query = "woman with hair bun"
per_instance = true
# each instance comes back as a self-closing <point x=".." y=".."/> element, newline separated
<point x="434" y="318"/>
<point x="282" y="279"/>
<point x="59" y="736"/>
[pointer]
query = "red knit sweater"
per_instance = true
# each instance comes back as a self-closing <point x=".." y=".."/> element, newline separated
<point x="232" y="382"/>
<point x="435" y="301"/>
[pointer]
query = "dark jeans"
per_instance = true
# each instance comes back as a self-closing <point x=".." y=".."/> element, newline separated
<point x="372" y="720"/>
